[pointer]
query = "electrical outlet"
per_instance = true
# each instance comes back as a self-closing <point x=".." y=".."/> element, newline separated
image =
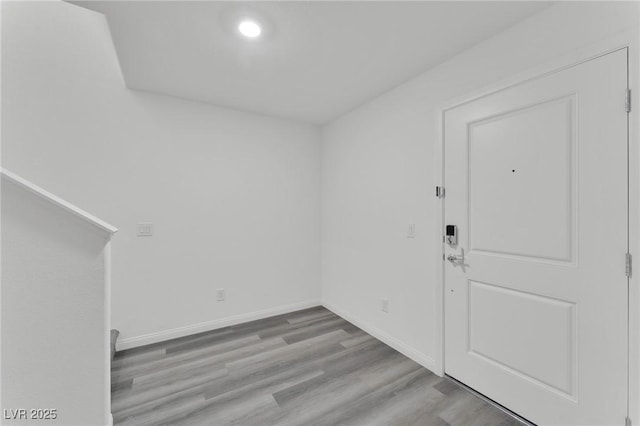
<point x="384" y="305"/>
<point x="220" y="294"/>
<point x="411" y="231"/>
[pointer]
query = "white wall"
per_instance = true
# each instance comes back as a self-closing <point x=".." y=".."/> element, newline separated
<point x="234" y="197"/>
<point x="378" y="174"/>
<point x="54" y="338"/>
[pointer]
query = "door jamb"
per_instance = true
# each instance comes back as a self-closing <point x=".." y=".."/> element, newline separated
<point x="627" y="39"/>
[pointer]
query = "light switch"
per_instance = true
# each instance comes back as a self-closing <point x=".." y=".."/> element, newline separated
<point x="411" y="231"/>
<point x="145" y="229"/>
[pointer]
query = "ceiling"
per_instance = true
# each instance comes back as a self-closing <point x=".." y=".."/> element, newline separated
<point x="315" y="60"/>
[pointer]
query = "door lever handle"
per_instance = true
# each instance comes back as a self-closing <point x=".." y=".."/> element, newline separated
<point x="457" y="258"/>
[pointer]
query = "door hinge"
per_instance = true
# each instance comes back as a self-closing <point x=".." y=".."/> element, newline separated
<point x="627" y="104"/>
<point x="627" y="264"/>
<point x="439" y="191"/>
<point x="627" y="421"/>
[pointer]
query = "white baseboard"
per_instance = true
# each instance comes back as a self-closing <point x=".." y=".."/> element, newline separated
<point x="421" y="358"/>
<point x="407" y="350"/>
<point x="146" y="339"/>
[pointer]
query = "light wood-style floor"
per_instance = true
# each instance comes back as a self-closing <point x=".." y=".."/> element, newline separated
<point x="309" y="367"/>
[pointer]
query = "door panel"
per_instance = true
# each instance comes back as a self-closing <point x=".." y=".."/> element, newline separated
<point x="517" y="159"/>
<point x="536" y="178"/>
<point x="536" y="322"/>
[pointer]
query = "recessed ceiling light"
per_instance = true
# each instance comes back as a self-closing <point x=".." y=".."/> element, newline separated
<point x="249" y="29"/>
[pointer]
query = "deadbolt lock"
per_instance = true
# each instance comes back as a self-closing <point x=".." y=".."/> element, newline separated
<point x="451" y="235"/>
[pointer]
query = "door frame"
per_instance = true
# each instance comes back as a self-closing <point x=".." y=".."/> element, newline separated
<point x="625" y="40"/>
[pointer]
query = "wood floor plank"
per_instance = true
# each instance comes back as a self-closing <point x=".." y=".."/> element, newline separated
<point x="123" y="360"/>
<point x="309" y="316"/>
<point x="206" y="340"/>
<point x="247" y="411"/>
<point x="181" y="358"/>
<point x="167" y="413"/>
<point x="121" y="385"/>
<point x="302" y="350"/>
<point x="206" y="359"/>
<point x="309" y="405"/>
<point x="132" y="406"/>
<point x="356" y="340"/>
<point x="136" y="396"/>
<point x="472" y="411"/>
<point x="224" y="395"/>
<point x="403" y="398"/>
<point x="272" y="383"/>
<point x="314" y="330"/>
<point x="309" y="367"/>
<point x="446" y="386"/>
<point x="144" y="350"/>
<point x="298" y="326"/>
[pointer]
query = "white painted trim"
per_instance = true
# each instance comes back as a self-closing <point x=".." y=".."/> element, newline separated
<point x="626" y="39"/>
<point x="107" y="328"/>
<point x="405" y="349"/>
<point x="617" y="42"/>
<point x="160" y="336"/>
<point x="110" y="420"/>
<point x="439" y="226"/>
<point x="65" y="205"/>
<point x="634" y="230"/>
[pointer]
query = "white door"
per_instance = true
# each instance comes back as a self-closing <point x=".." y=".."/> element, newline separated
<point x="536" y="183"/>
